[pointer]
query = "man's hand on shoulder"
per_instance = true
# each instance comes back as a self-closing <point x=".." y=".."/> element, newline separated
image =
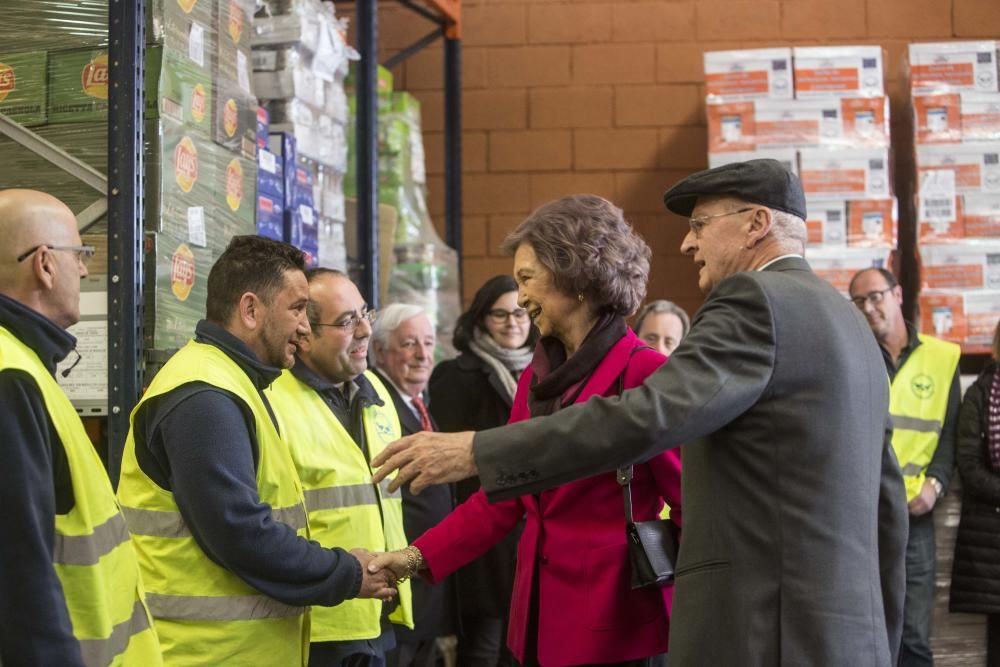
<point x="427" y="458"/>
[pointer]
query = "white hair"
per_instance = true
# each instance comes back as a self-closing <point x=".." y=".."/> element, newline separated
<point x="389" y="319"/>
<point x="788" y="228"/>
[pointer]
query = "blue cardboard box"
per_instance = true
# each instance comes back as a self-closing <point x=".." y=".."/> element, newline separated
<point x="282" y="144"/>
<point x="270" y="174"/>
<point x="263" y="127"/>
<point x="302" y="227"/>
<point x="270" y="217"/>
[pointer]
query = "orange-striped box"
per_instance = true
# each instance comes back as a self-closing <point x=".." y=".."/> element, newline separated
<point x="980" y="116"/>
<point x="847" y="174"/>
<point x="865" y="121"/>
<point x="872" y="223"/>
<point x="842" y="71"/>
<point x="954" y="66"/>
<point x="838" y="265"/>
<point x="731" y="126"/>
<point x="748" y="74"/>
<point x="826" y="222"/>
<point x="976" y="165"/>
<point x="961" y="265"/>
<point x="980" y="215"/>
<point x="938" y="118"/>
<point x="942" y="314"/>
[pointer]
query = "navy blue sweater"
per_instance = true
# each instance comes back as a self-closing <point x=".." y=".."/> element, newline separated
<point x="34" y="486"/>
<point x="199" y="442"/>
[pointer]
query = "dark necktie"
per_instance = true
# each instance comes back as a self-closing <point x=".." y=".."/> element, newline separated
<point x="425" y="418"/>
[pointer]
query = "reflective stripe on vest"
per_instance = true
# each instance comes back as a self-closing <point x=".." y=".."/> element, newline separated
<point x="96" y="566"/>
<point x="204" y="613"/>
<point x="918" y="403"/>
<point x="345" y="507"/>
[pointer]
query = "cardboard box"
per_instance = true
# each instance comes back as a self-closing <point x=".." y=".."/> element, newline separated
<point x="947" y="227"/>
<point x="283" y="145"/>
<point x="233" y="66"/>
<point x="937" y="118"/>
<point x="976" y="166"/>
<point x="980" y="116"/>
<point x="865" y="121"/>
<point x="847" y="174"/>
<point x="24" y="87"/>
<point x="980" y="215"/>
<point x="804" y="123"/>
<point x="270" y="174"/>
<point x="844" y="71"/>
<point x="961" y="265"/>
<point x="332" y="248"/>
<point x="960" y="316"/>
<point x="234" y="189"/>
<point x="270" y="217"/>
<point x="788" y="157"/>
<point x="185" y="27"/>
<point x="234" y="19"/>
<point x="235" y="126"/>
<point x="872" y="223"/>
<point x="78" y="86"/>
<point x="175" y="290"/>
<point x="748" y="74"/>
<point x="838" y="265"/>
<point x="178" y="90"/>
<point x="263" y="121"/>
<point x="826" y="222"/>
<point x="181" y="171"/>
<point x="954" y="66"/>
<point x="302" y="228"/>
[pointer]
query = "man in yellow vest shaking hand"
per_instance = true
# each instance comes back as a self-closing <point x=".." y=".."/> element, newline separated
<point x="336" y="415"/>
<point x="924" y="399"/>
<point x="70" y="591"/>
<point x="209" y="489"/>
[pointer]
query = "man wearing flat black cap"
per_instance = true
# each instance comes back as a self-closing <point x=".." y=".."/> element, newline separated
<point x="794" y="507"/>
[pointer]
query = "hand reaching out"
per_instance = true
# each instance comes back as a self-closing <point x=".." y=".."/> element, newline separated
<point x="378" y="583"/>
<point x="403" y="563"/>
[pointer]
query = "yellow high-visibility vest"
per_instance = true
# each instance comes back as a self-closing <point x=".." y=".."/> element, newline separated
<point x="92" y="556"/>
<point x="918" y="402"/>
<point x="205" y="614"/>
<point x="346" y="509"/>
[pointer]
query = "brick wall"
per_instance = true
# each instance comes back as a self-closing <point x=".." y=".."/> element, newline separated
<point x="564" y="96"/>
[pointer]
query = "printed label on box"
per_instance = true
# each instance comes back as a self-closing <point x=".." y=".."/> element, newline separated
<point x="826" y="223"/>
<point x="980" y="216"/>
<point x="748" y="74"/>
<point x="839" y="70"/>
<point x="937" y="197"/>
<point x="196" y="226"/>
<point x="980" y="116"/>
<point x="943" y="315"/>
<point x="871" y="223"/>
<point x="938" y="118"/>
<point x="954" y="66"/>
<point x="731" y="126"/>
<point x="196" y="43"/>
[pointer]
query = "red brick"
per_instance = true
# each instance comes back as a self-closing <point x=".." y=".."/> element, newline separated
<point x="474" y="233"/>
<point x="499" y="227"/>
<point x="473" y="152"/>
<point x="529" y="66"/>
<point x="477" y="270"/>
<point x="976" y="18"/>
<point x="653" y="21"/>
<point x="546" y="187"/>
<point x="397" y="28"/>
<point x="658" y="105"/>
<point x="912" y="19"/>
<point x="534" y="150"/>
<point x="663" y="232"/>
<point x="494" y="193"/>
<point x="675" y="277"/>
<point x="683" y="148"/>
<point x="801" y="19"/>
<point x="435" y="196"/>
<point x="431" y="110"/>
<point x="684" y="63"/>
<point x="494" y="25"/>
<point x="500" y="109"/>
<point x="642" y="191"/>
<point x="562" y="24"/>
<point x="726" y="19"/>
<point x="615" y="149"/>
<point x="570" y="107"/>
<point x="425" y="70"/>
<point x="614" y="63"/>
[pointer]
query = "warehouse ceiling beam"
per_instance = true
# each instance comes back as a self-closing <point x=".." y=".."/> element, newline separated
<point x="89" y="216"/>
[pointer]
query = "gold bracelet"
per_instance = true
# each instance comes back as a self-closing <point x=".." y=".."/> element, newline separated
<point x="414" y="561"/>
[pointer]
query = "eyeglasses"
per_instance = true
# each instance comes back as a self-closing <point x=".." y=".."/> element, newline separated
<point x="351" y="323"/>
<point x="500" y="316"/>
<point x="698" y="224"/>
<point x="83" y="252"/>
<point x="874" y="298"/>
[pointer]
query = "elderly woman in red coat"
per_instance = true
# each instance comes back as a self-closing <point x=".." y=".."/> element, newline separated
<point x="580" y="271"/>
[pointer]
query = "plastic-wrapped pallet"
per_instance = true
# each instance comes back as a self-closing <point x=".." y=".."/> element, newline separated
<point x="956" y="119"/>
<point x="822" y="112"/>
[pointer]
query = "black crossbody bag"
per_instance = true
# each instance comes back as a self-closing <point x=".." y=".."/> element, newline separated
<point x="652" y="545"/>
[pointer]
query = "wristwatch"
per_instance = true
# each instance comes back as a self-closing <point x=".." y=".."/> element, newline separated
<point x="938" y="487"/>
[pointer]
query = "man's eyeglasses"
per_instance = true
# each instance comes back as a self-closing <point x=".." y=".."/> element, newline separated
<point x="698" y="224"/>
<point x="350" y="323"/>
<point x="83" y="252"/>
<point x="874" y="298"/>
<point x="500" y="316"/>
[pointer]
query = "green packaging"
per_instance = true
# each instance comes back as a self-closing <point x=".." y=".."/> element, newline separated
<point x="23" y="89"/>
<point x="185" y="27"/>
<point x="175" y="289"/>
<point x="235" y="125"/>
<point x="182" y="171"/>
<point x="78" y="86"/>
<point x="178" y="90"/>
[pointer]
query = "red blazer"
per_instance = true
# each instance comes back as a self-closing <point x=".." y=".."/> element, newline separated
<point x="574" y="542"/>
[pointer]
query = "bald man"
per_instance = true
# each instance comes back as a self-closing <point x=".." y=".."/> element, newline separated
<point x="69" y="580"/>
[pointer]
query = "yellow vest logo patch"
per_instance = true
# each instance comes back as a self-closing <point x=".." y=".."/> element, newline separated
<point x="922" y="386"/>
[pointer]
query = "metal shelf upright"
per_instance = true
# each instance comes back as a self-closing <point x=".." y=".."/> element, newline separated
<point x="447" y="20"/>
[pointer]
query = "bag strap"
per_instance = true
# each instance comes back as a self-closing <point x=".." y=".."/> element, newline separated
<point x="624" y="475"/>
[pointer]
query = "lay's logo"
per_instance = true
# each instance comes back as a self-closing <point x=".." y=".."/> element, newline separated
<point x="187" y="5"/>
<point x="186" y="164"/>
<point x="230" y="118"/>
<point x="8" y="81"/>
<point x="235" y="27"/>
<point x="234" y="184"/>
<point x="199" y="103"/>
<point x="182" y="272"/>
<point x="94" y="77"/>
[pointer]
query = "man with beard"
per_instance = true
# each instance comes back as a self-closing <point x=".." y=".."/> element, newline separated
<point x="209" y="490"/>
<point x="336" y="415"/>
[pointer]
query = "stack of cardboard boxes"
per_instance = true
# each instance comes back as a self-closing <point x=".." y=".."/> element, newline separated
<point x="300" y="61"/>
<point x="821" y="111"/>
<point x="956" y="112"/>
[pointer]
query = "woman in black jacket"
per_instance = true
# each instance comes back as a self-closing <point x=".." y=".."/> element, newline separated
<point x="495" y="340"/>
<point x="975" y="579"/>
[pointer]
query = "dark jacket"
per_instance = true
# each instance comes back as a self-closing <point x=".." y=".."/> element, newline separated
<point x="467" y="395"/>
<point x="975" y="579"/>
<point x="433" y="606"/>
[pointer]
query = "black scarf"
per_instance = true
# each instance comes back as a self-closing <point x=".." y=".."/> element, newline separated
<point x="557" y="380"/>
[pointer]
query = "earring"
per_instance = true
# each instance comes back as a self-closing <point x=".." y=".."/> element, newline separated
<point x="579" y="297"/>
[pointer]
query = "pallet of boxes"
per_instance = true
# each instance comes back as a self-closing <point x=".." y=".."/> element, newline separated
<point x="821" y="111"/>
<point x="300" y="61"/>
<point x="201" y="173"/>
<point x="956" y="111"/>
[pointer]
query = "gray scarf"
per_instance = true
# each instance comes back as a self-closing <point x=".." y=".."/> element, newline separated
<point x="507" y="363"/>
